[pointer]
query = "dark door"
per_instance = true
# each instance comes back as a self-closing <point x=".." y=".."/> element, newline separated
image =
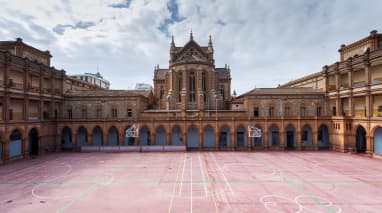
<point x="33" y="142"/>
<point x="290" y="139"/>
<point x="240" y="139"/>
<point x="223" y="139"/>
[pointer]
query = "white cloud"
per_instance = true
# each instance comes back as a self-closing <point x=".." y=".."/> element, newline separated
<point x="268" y="42"/>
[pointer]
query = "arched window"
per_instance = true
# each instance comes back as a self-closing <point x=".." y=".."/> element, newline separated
<point x="204" y="86"/>
<point x="222" y="91"/>
<point x="180" y="86"/>
<point x="191" y="83"/>
<point x="204" y="81"/>
<point x="161" y="92"/>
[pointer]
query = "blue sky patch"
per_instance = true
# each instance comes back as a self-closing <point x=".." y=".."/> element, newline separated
<point x="122" y="5"/>
<point x="60" y="28"/>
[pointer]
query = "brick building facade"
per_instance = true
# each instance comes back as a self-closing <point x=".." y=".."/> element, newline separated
<point x="45" y="110"/>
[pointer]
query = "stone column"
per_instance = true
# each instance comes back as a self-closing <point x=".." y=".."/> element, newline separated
<point x="368" y="104"/>
<point x="217" y="139"/>
<point x="74" y="142"/>
<point x="6" y="149"/>
<point x="121" y="139"/>
<point x="25" y="146"/>
<point x="314" y="140"/>
<point x="184" y="137"/>
<point x="168" y="138"/>
<point x="249" y="143"/>
<point x="90" y="139"/>
<point x="338" y="105"/>
<point x="369" y="141"/>
<point x="152" y="139"/>
<point x="136" y="141"/>
<point x="58" y="142"/>
<point x="233" y="140"/>
<point x="105" y="141"/>
<point x="282" y="140"/>
<point x="298" y="140"/>
<point x="264" y="135"/>
<point x="350" y="100"/>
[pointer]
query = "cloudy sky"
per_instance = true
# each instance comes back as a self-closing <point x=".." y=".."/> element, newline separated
<point x="265" y="42"/>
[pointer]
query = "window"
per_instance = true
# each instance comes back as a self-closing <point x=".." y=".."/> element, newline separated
<point x="287" y="111"/>
<point x="222" y="91"/>
<point x="334" y="111"/>
<point x="70" y="114"/>
<point x="271" y="111"/>
<point x="318" y="111"/>
<point x="180" y="86"/>
<point x="191" y="87"/>
<point x="256" y="111"/>
<point x="114" y="113"/>
<point x="380" y="108"/>
<point x="204" y="81"/>
<point x="55" y="113"/>
<point x="302" y="111"/>
<point x="161" y="93"/>
<point x="129" y="113"/>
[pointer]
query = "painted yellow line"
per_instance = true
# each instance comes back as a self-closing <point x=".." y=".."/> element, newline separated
<point x="174" y="187"/>
<point x="210" y="185"/>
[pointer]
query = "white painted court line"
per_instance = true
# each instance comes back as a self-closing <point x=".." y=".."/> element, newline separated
<point x="201" y="170"/>
<point x="224" y="177"/>
<point x="181" y="179"/>
<point x="191" y="185"/>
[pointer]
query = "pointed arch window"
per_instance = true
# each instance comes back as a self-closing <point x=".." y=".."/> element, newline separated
<point x="191" y="84"/>
<point x="180" y="86"/>
<point x="161" y="93"/>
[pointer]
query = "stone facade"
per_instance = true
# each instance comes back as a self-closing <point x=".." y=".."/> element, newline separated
<point x="338" y="108"/>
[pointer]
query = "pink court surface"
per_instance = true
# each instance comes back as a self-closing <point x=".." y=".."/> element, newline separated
<point x="193" y="182"/>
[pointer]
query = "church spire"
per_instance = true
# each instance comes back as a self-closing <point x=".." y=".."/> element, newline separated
<point x="172" y="41"/>
<point x="191" y="36"/>
<point x="210" y="47"/>
<point x="172" y="47"/>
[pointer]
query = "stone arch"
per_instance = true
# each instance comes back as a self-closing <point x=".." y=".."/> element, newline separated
<point x="273" y="136"/>
<point x="323" y="137"/>
<point x="176" y="135"/>
<point x="144" y="135"/>
<point x="97" y="136"/>
<point x="208" y="136"/>
<point x="360" y="138"/>
<point x="224" y="136"/>
<point x="82" y="136"/>
<point x="15" y="143"/>
<point x="66" y="139"/>
<point x="306" y="136"/>
<point x="378" y="140"/>
<point x="33" y="143"/>
<point x="192" y="137"/>
<point x="113" y="138"/>
<point x="290" y="136"/>
<point x="160" y="135"/>
<point x="241" y="136"/>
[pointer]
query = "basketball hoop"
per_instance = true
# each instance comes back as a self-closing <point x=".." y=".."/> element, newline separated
<point x="133" y="131"/>
<point x="254" y="132"/>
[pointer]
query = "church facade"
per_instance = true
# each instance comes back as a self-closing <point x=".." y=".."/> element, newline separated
<point x="45" y="110"/>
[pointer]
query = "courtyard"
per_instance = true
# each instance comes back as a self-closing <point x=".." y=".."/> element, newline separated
<point x="321" y="181"/>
